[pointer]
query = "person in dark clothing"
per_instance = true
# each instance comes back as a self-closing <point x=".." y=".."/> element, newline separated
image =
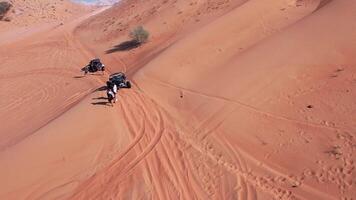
<point x="111" y="96"/>
<point x="111" y="91"/>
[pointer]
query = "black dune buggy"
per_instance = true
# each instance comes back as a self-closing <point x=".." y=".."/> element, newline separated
<point x="119" y="79"/>
<point x="94" y="66"/>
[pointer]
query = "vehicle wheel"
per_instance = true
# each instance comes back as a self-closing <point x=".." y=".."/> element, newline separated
<point x="128" y="84"/>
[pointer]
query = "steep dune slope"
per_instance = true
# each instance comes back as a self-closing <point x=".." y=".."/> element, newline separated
<point x="37" y="78"/>
<point x="241" y="99"/>
<point x="49" y="142"/>
<point x="232" y="99"/>
<point x="170" y="20"/>
<point x="270" y="103"/>
<point x="166" y="20"/>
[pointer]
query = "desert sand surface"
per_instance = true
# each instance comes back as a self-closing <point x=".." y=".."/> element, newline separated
<point x="231" y="99"/>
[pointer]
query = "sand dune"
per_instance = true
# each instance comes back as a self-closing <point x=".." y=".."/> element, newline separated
<point x="242" y="99"/>
<point x="39" y="75"/>
<point x="25" y="13"/>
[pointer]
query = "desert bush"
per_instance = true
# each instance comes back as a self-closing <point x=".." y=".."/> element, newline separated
<point x="139" y="34"/>
<point x="4" y="8"/>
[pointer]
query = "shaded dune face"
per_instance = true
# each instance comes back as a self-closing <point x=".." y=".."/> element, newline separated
<point x="231" y="99"/>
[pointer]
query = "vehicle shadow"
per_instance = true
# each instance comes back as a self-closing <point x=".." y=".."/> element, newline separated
<point x="79" y="76"/>
<point x="102" y="88"/>
<point x="101" y="103"/>
<point x="100" y="98"/>
<point x="124" y="46"/>
<point x="95" y="74"/>
<point x="90" y="74"/>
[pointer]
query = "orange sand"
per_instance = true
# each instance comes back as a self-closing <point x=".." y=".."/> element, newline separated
<point x="232" y="99"/>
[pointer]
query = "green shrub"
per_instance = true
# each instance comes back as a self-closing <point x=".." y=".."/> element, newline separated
<point x="4" y="8"/>
<point x="139" y="34"/>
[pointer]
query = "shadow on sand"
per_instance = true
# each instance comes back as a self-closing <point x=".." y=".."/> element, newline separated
<point x="102" y="88"/>
<point x="90" y="74"/>
<point x="82" y="76"/>
<point x="101" y="103"/>
<point x="124" y="46"/>
<point x="100" y="98"/>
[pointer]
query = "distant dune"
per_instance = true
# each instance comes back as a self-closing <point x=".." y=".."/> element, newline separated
<point x="26" y="13"/>
<point x="231" y="99"/>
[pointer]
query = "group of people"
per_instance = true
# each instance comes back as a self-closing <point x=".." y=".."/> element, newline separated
<point x="111" y="92"/>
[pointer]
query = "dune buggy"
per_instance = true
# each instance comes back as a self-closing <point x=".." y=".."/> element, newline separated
<point x="119" y="79"/>
<point x="94" y="66"/>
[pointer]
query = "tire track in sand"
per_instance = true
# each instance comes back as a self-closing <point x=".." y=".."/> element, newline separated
<point x="149" y="125"/>
<point x="274" y="184"/>
<point x="249" y="107"/>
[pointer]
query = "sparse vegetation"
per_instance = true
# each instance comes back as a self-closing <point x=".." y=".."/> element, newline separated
<point x="4" y="8"/>
<point x="139" y="34"/>
<point x="335" y="151"/>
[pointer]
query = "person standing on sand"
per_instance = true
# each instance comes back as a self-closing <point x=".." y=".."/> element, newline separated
<point x="114" y="89"/>
<point x="111" y="91"/>
<point x="111" y="96"/>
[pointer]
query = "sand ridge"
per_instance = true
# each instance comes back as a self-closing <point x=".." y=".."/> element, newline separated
<point x="231" y="100"/>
